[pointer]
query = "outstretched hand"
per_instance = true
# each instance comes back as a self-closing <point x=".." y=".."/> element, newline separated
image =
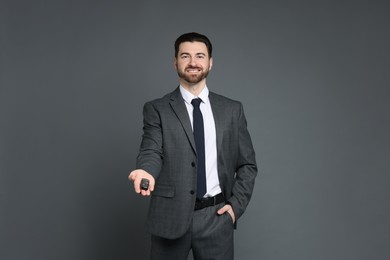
<point x="136" y="176"/>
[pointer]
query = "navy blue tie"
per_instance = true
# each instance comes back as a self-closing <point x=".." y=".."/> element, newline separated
<point x="200" y="151"/>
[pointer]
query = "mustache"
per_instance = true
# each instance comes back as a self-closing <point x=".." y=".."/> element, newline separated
<point x="193" y="67"/>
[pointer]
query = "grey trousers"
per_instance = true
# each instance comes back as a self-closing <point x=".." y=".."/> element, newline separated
<point x="210" y="237"/>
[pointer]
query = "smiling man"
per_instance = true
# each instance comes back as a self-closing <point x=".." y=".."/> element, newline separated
<point x="197" y="156"/>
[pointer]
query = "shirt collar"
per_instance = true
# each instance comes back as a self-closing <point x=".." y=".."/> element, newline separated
<point x="188" y="96"/>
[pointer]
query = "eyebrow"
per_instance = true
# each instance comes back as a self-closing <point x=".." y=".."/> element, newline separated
<point x="198" y="53"/>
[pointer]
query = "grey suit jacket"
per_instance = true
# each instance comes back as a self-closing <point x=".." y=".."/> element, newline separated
<point x="168" y="153"/>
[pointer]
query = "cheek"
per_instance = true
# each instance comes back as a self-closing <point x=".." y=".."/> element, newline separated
<point x="180" y="66"/>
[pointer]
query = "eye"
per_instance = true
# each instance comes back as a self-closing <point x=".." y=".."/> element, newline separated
<point x="184" y="56"/>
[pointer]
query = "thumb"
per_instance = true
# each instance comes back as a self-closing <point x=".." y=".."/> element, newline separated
<point x="223" y="210"/>
<point x="151" y="184"/>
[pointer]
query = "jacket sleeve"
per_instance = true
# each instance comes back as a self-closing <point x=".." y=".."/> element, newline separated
<point x="150" y="155"/>
<point x="246" y="169"/>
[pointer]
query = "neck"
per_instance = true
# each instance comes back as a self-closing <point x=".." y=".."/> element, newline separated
<point x="193" y="88"/>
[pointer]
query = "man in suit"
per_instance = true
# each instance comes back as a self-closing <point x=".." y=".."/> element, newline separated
<point x="197" y="155"/>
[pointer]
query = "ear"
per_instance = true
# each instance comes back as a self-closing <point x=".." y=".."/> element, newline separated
<point x="175" y="63"/>
<point x="211" y="63"/>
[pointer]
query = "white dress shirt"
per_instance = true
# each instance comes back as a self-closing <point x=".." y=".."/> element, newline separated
<point x="210" y="138"/>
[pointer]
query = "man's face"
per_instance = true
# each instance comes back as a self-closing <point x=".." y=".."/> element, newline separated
<point x="193" y="62"/>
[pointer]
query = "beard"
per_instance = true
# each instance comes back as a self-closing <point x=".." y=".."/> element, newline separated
<point x="193" y="78"/>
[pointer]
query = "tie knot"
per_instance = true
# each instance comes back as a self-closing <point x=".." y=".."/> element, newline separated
<point x="196" y="102"/>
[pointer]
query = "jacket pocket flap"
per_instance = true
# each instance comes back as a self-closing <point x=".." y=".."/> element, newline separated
<point x="164" y="191"/>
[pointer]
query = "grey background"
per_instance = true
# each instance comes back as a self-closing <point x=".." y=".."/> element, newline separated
<point x="314" y="79"/>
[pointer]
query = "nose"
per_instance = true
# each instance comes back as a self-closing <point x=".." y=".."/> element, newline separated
<point x="192" y="62"/>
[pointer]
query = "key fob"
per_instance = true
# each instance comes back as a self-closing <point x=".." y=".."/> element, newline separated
<point x="144" y="184"/>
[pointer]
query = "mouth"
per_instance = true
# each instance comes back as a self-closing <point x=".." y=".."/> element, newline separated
<point x="193" y="70"/>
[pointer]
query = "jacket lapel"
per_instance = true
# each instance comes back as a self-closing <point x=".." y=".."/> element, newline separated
<point x="178" y="106"/>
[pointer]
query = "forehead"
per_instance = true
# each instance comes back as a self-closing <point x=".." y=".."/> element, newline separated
<point x="193" y="47"/>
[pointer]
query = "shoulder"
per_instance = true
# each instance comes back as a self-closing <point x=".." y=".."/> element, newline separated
<point x="223" y="100"/>
<point x="164" y="100"/>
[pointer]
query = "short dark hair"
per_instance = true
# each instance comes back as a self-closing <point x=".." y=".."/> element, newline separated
<point x="193" y="37"/>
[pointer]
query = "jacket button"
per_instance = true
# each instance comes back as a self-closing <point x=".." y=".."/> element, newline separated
<point x="192" y="192"/>
<point x="193" y="164"/>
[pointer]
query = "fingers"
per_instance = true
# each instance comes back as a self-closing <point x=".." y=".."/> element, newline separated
<point x="137" y="184"/>
<point x="132" y="175"/>
<point x="145" y="192"/>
